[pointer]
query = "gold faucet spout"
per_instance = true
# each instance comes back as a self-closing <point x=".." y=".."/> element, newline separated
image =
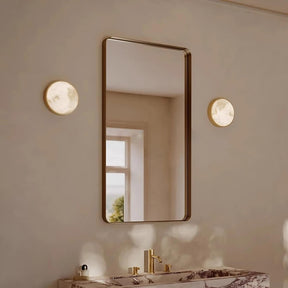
<point x="157" y="258"/>
<point x="149" y="261"/>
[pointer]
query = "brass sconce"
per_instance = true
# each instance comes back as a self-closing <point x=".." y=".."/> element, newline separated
<point x="220" y="112"/>
<point x="61" y="98"/>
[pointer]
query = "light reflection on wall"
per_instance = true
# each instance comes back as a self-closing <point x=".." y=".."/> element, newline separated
<point x="216" y="244"/>
<point x="213" y="261"/>
<point x="130" y="257"/>
<point x="142" y="237"/>
<point x="285" y="243"/>
<point x="92" y="255"/>
<point x="171" y="250"/>
<point x="285" y="257"/>
<point x="205" y="238"/>
<point x="127" y="250"/>
<point x="183" y="232"/>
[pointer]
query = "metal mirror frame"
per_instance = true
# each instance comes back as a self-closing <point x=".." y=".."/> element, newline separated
<point x="188" y="153"/>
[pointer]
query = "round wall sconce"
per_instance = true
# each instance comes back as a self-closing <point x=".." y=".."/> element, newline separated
<point x="220" y="112"/>
<point x="61" y="98"/>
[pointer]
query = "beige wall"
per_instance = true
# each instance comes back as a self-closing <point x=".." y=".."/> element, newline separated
<point x="50" y="188"/>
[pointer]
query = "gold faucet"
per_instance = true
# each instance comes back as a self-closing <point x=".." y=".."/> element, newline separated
<point x="149" y="261"/>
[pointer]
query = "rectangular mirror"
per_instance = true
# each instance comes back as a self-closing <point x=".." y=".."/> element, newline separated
<point x="146" y="131"/>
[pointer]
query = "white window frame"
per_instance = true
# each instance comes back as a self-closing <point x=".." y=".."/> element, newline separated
<point x="129" y="212"/>
<point x="124" y="170"/>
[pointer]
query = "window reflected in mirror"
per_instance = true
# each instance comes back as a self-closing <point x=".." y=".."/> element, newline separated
<point x="124" y="173"/>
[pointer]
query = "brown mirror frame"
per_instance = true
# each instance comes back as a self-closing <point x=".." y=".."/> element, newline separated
<point x="188" y="153"/>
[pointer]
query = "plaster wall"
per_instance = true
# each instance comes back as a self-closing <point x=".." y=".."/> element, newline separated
<point x="50" y="188"/>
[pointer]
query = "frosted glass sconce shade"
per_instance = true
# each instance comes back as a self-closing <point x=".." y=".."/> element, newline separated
<point x="220" y="112"/>
<point x="61" y="98"/>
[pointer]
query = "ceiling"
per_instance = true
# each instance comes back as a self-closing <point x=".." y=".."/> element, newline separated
<point x="277" y="6"/>
<point x="143" y="69"/>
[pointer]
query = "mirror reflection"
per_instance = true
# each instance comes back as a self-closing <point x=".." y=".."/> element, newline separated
<point x="146" y="128"/>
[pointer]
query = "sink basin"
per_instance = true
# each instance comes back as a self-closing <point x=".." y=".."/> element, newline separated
<point x="209" y="278"/>
<point x="177" y="277"/>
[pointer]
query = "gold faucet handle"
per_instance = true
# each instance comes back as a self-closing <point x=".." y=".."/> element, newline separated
<point x="133" y="270"/>
<point x="167" y="268"/>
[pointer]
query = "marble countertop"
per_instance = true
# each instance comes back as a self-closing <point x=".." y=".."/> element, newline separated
<point x="208" y="278"/>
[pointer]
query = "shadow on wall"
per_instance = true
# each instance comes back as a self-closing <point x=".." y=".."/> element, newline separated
<point x="171" y="242"/>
